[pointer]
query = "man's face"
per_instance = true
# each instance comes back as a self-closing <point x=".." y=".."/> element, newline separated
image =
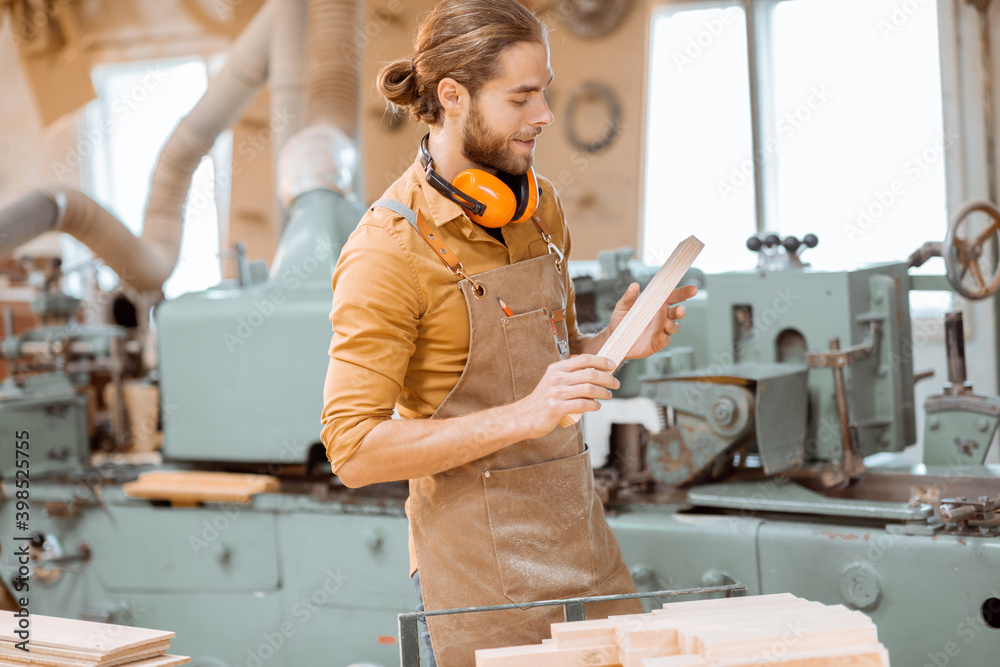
<point x="510" y="111"/>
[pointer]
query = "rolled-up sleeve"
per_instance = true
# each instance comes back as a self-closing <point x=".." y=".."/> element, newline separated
<point x="376" y="311"/>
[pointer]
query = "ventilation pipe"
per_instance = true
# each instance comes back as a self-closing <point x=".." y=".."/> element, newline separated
<point x="321" y="160"/>
<point x="146" y="262"/>
<point x="322" y="156"/>
<point x="324" y="153"/>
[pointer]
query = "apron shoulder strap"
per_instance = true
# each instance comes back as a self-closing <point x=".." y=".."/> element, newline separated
<point x="398" y="208"/>
<point x="419" y="223"/>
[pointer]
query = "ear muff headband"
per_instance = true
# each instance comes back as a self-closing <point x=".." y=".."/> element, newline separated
<point x="488" y="199"/>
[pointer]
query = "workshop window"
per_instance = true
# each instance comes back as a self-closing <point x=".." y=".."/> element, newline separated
<point x="860" y="144"/>
<point x="698" y="124"/>
<point x="124" y="131"/>
<point x="851" y="139"/>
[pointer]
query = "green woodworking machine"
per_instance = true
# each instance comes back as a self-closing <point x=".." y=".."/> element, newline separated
<point x="760" y="447"/>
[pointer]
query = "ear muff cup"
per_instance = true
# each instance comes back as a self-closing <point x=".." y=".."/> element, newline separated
<point x="501" y="204"/>
<point x="498" y="195"/>
<point x="529" y="196"/>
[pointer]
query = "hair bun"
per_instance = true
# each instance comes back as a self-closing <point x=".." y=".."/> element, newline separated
<point x="397" y="81"/>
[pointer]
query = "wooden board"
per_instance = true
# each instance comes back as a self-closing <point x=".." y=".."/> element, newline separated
<point x="98" y="639"/>
<point x="577" y="634"/>
<point x="834" y="657"/>
<point x="185" y="487"/>
<point x="737" y="632"/>
<point x="646" y="306"/>
<point x="676" y="661"/>
<point x="745" y="601"/>
<point x="548" y="655"/>
<point x="162" y="661"/>
<point x="46" y="659"/>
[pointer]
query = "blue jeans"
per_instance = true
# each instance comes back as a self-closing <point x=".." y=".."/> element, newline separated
<point x="425" y="634"/>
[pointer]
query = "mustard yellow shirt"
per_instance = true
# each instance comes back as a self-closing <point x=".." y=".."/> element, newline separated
<point x="400" y="322"/>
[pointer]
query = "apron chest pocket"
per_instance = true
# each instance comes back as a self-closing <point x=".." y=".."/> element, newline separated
<point x="541" y="522"/>
<point x="531" y="347"/>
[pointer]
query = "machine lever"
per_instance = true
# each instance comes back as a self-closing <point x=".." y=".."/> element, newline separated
<point x="954" y="338"/>
<point x="851" y="463"/>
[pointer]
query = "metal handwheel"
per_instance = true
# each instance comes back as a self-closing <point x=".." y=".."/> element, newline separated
<point x="971" y="270"/>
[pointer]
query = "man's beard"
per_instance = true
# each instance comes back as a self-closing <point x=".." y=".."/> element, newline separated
<point x="486" y="147"/>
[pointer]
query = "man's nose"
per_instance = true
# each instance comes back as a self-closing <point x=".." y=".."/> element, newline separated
<point x="542" y="115"/>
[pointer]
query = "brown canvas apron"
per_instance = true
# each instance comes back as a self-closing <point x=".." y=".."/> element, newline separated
<point x="522" y="524"/>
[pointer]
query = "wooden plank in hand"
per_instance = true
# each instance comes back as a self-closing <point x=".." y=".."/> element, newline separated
<point x="646" y="306"/>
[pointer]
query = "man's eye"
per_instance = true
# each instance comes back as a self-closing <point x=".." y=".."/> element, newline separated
<point x="519" y="103"/>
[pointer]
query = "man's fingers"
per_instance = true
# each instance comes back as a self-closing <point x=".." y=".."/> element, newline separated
<point x="591" y="376"/>
<point x="629" y="297"/>
<point x="582" y="361"/>
<point x="682" y="294"/>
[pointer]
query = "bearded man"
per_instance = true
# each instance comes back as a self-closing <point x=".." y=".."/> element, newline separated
<point x="452" y="303"/>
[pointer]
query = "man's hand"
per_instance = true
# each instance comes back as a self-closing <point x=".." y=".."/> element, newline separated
<point x="571" y="386"/>
<point x="661" y="327"/>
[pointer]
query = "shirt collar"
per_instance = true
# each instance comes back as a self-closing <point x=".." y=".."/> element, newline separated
<point x="441" y="209"/>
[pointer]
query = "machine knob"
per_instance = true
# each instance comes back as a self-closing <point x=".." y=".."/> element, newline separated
<point x="724" y="411"/>
<point x="810" y="240"/>
<point x="222" y="554"/>
<point x="791" y="244"/>
<point x="772" y="240"/>
<point x="372" y="539"/>
<point x="754" y="244"/>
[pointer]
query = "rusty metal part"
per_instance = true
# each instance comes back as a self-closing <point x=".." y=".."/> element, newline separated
<point x="628" y="449"/>
<point x="59" y="510"/>
<point x="964" y="511"/>
<point x="851" y="463"/>
<point x="837" y="358"/>
<point x="924" y="253"/>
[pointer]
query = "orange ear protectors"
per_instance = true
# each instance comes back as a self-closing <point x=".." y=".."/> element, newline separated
<point x="491" y="201"/>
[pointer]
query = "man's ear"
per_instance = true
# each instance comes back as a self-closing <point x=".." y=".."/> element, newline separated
<point x="453" y="96"/>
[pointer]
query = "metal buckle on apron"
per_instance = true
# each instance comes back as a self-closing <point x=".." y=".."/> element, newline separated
<point x="553" y="250"/>
<point x="478" y="289"/>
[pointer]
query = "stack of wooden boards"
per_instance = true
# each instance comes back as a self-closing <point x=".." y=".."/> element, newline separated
<point x="61" y="642"/>
<point x="732" y="632"/>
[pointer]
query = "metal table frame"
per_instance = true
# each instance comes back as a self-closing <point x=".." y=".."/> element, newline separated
<point x="409" y="633"/>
